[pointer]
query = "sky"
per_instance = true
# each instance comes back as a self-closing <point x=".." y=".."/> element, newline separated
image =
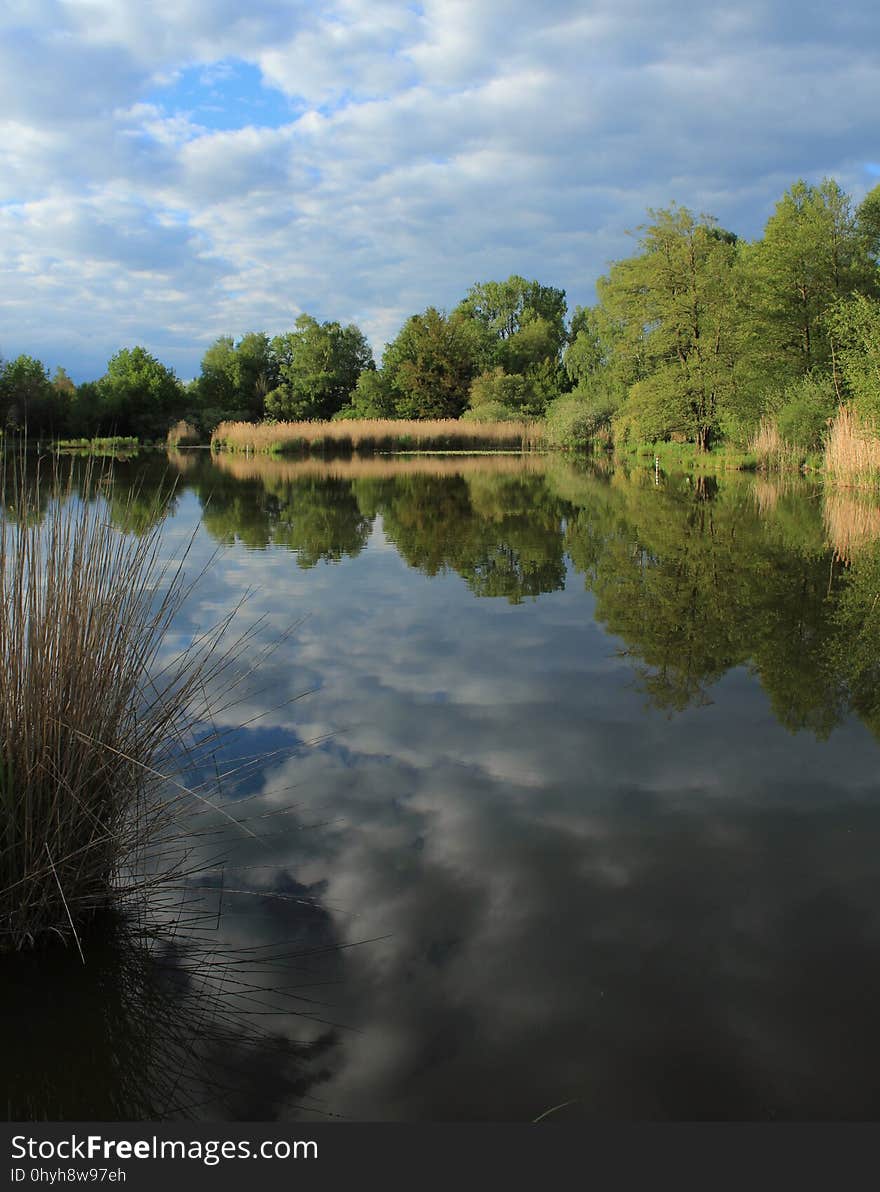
<point x="174" y="171"/>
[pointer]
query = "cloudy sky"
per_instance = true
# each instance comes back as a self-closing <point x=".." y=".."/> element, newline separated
<point x="177" y="170"/>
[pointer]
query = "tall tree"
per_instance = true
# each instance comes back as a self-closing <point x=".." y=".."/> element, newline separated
<point x="431" y="364"/>
<point x="27" y="398"/>
<point x="811" y="254"/>
<point x="140" y="395"/>
<point x="236" y="377"/>
<point x="318" y="368"/>
<point x="673" y="305"/>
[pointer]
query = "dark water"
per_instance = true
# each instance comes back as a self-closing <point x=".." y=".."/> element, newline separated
<point x="580" y="805"/>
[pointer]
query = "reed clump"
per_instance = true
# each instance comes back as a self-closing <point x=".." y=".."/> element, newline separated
<point x="772" y="452"/>
<point x="374" y="435"/>
<point x="183" y="434"/>
<point x="852" y="450"/>
<point x="88" y="718"/>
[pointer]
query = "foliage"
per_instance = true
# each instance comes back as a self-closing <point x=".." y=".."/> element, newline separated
<point x="807" y="408"/>
<point x="372" y="397"/>
<point x="855" y="328"/>
<point x="318" y="366"/>
<point x="811" y="255"/>
<point x="574" y="421"/>
<point x="430" y="365"/>
<point x="235" y="378"/>
<point x="140" y="396"/>
<point x="28" y="400"/>
<point x="672" y="304"/>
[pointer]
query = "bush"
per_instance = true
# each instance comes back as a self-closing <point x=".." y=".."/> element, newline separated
<point x="490" y="411"/>
<point x="575" y="422"/>
<point x="807" y="409"/>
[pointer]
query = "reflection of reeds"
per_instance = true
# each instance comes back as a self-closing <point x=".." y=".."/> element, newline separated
<point x="766" y="493"/>
<point x="370" y="435"/>
<point x="852" y="450"/>
<point x="184" y="461"/>
<point x="265" y="467"/>
<point x="852" y="523"/>
<point x="152" y="1029"/>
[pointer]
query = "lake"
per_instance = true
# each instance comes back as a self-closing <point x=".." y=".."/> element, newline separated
<point x="560" y="787"/>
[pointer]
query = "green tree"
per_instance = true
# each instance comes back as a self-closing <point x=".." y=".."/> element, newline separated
<point x="505" y="309"/>
<point x="27" y="399"/>
<point x="318" y="369"/>
<point x="235" y="379"/>
<point x="372" y="397"/>
<point x="812" y="254"/>
<point x="675" y="311"/>
<point x="430" y="365"/>
<point x="854" y="325"/>
<point x="868" y="220"/>
<point x="519" y="327"/>
<point x="140" y="395"/>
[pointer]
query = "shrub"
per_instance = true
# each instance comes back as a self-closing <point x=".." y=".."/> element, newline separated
<point x="807" y="409"/>
<point x="575" y="422"/>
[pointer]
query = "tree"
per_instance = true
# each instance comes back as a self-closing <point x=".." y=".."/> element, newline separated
<point x="519" y="326"/>
<point x="674" y="308"/>
<point x="868" y="222"/>
<point x="236" y="378"/>
<point x="855" y="330"/>
<point x="140" y="395"/>
<point x="27" y="399"/>
<point x="318" y="368"/>
<point x="431" y="364"/>
<point x="812" y="254"/>
<point x="372" y="397"/>
<point x="505" y="308"/>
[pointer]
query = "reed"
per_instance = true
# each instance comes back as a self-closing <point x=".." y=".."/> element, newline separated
<point x="183" y="434"/>
<point x="373" y="435"/>
<point x="772" y="452"/>
<point x="89" y="720"/>
<point x="852" y="450"/>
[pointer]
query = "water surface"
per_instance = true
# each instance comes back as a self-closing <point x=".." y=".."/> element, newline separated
<point x="580" y="801"/>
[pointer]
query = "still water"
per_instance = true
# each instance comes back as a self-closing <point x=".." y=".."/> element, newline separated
<point x="561" y="790"/>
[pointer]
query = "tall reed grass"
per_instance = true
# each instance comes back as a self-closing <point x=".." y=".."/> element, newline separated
<point x="89" y="720"/>
<point x="852" y="450"/>
<point x="183" y="434"/>
<point x="372" y="435"/>
<point x="772" y="452"/>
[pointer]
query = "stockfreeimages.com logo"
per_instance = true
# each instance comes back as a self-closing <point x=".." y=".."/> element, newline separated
<point x="94" y="1147"/>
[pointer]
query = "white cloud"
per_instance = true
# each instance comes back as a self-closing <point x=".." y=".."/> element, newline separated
<point x="427" y="148"/>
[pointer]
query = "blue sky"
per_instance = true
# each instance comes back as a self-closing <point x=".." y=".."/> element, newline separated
<point x="180" y="170"/>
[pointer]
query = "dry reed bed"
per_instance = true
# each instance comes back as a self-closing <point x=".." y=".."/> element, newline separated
<point x="772" y="452"/>
<point x="852" y="450"/>
<point x="88" y="719"/>
<point x="372" y="435"/>
<point x="383" y="467"/>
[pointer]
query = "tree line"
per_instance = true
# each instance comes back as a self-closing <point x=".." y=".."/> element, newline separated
<point x="697" y="336"/>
